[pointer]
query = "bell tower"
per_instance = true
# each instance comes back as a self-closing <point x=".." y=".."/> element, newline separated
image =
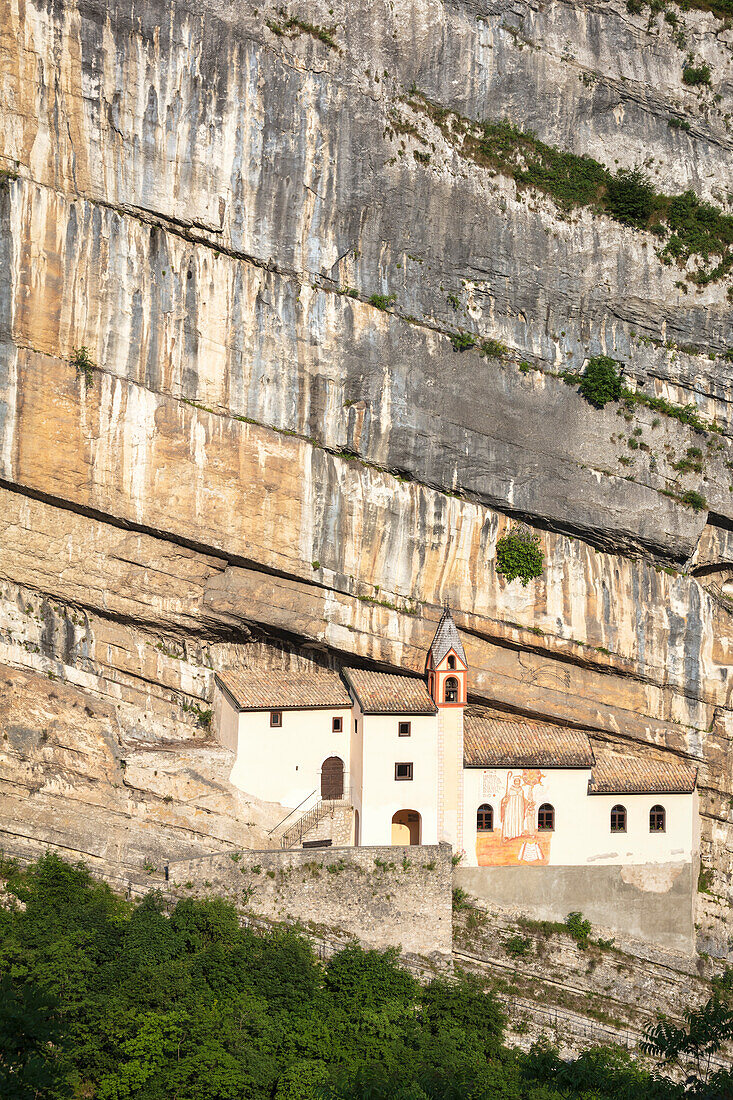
<point x="447" y="672"/>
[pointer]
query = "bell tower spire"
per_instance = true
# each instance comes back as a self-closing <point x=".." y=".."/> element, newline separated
<point x="447" y="667"/>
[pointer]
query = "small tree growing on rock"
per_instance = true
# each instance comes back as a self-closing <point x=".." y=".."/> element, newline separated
<point x="601" y="381"/>
<point x="518" y="554"/>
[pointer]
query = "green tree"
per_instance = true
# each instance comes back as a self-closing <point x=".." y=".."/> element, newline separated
<point x="630" y="198"/>
<point x="518" y="554"/>
<point x="703" y="1035"/>
<point x="31" y="1056"/>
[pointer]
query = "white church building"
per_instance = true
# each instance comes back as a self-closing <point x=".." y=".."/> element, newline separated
<point x="374" y="758"/>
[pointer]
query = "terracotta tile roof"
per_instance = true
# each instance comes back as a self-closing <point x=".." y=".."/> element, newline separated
<point x="446" y="638"/>
<point x="386" y="693"/>
<point x="494" y="739"/>
<point x="284" y="690"/>
<point x="614" y="774"/>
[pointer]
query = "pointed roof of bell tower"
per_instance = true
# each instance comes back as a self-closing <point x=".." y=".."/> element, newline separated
<point x="446" y="638"/>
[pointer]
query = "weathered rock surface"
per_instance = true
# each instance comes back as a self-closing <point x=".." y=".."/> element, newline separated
<point x="264" y="468"/>
<point x="71" y="779"/>
<point x="578" y="997"/>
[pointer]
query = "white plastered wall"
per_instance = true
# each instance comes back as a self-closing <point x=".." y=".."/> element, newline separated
<point x="582" y="834"/>
<point x="283" y="763"/>
<point x="677" y="844"/>
<point x="357" y="768"/>
<point x="450" y="787"/>
<point x="382" y="795"/>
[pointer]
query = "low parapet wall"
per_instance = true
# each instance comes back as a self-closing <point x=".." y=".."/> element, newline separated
<point x="383" y="897"/>
<point x="653" y="903"/>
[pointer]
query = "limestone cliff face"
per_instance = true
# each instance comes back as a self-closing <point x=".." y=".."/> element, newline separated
<point x="264" y="467"/>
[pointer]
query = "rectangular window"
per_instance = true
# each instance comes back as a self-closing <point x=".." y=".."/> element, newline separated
<point x="276" y="717"/>
<point x="403" y="771"/>
<point x="404" y="729"/>
<point x="337" y="725"/>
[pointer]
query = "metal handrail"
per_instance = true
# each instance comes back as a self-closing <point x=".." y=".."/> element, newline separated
<point x="311" y="817"/>
<point x="291" y="812"/>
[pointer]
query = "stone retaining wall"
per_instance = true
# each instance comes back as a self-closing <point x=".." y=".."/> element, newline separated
<point x="654" y="904"/>
<point x="383" y="897"/>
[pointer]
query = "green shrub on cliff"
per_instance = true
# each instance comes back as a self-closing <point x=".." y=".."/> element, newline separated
<point x="693" y="499"/>
<point x="518" y="554"/>
<point x="463" y="341"/>
<point x="382" y="301"/>
<point x="630" y="198"/>
<point x="693" y="75"/>
<point x="82" y="360"/>
<point x="601" y="381"/>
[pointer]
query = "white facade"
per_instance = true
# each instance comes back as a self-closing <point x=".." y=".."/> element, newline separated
<point x="382" y="795"/>
<point x="283" y="763"/>
<point x="582" y="833"/>
<point x="678" y="843"/>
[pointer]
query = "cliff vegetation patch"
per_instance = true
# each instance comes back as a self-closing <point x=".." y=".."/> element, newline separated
<point x="382" y="301"/>
<point x="82" y="361"/>
<point x="292" y="27"/>
<point x="518" y="554"/>
<point x="689" y="227"/>
<point x="723" y="9"/>
<point x="601" y="381"/>
<point x="692" y="75"/>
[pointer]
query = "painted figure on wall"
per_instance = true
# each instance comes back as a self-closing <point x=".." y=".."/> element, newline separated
<point x="517" y="841"/>
<point x="513" y="809"/>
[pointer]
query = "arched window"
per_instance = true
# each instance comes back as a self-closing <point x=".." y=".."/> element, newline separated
<point x="546" y="818"/>
<point x="618" y="819"/>
<point x="451" y="690"/>
<point x="484" y="818"/>
<point x="451" y="662"/>
<point x="657" y="819"/>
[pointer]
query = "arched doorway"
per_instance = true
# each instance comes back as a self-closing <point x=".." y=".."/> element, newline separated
<point x="406" y="827"/>
<point x="332" y="778"/>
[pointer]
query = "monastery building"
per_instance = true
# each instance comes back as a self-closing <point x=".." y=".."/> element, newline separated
<point x="375" y="758"/>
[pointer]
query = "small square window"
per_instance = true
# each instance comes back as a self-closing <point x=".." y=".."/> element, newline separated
<point x="338" y="725"/>
<point x="276" y="717"/>
<point x="404" y="729"/>
<point x="403" y="771"/>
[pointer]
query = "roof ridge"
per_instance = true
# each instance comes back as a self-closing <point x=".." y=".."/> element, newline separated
<point x="389" y="692"/>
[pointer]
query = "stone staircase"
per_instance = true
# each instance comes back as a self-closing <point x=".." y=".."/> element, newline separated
<point x="308" y="821"/>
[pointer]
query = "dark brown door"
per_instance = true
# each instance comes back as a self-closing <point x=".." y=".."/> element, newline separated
<point x="332" y="778"/>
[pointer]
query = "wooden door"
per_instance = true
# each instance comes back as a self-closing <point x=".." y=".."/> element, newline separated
<point x="332" y="778"/>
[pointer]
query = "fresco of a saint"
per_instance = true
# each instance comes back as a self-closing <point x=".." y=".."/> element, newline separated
<point x="513" y="809"/>
<point x="517" y="840"/>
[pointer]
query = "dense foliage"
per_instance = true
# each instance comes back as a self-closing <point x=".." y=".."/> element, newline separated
<point x="601" y="381"/>
<point x="107" y="1000"/>
<point x="518" y="554"/>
